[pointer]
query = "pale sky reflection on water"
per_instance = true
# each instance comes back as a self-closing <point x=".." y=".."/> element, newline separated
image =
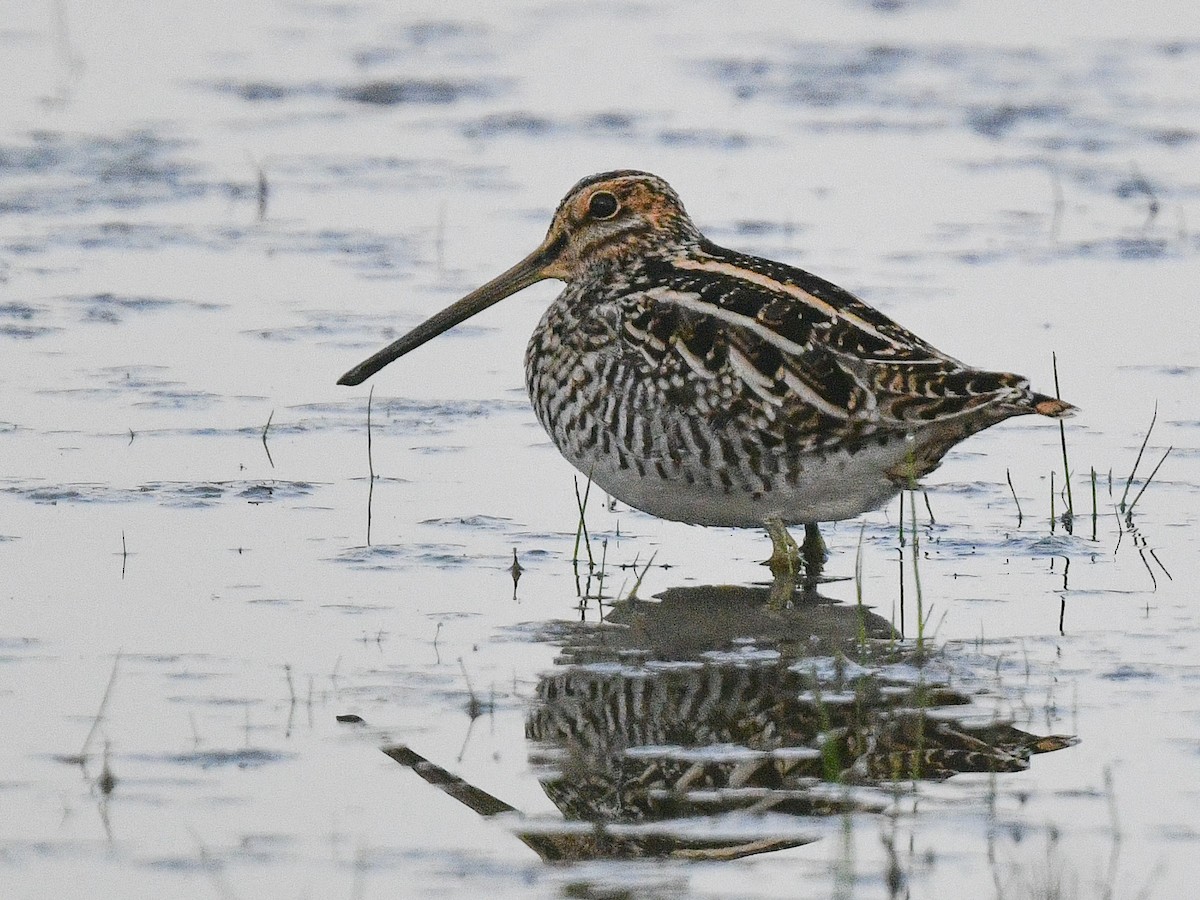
<point x="1008" y="181"/>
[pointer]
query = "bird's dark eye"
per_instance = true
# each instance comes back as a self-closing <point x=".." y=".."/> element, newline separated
<point x="603" y="205"/>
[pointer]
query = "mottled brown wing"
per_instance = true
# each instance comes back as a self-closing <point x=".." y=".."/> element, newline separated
<point x="806" y="348"/>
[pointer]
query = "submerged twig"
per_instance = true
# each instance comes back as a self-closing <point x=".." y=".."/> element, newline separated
<point x="515" y="569"/>
<point x="212" y="867"/>
<point x="1020" y="515"/>
<point x="87" y="741"/>
<point x="475" y="706"/>
<point x="267" y="428"/>
<point x="370" y="465"/>
<point x="107" y="782"/>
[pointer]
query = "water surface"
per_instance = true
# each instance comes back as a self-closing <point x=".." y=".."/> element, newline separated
<point x="210" y="211"/>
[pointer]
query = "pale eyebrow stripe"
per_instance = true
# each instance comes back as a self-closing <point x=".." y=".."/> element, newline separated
<point x="772" y="284"/>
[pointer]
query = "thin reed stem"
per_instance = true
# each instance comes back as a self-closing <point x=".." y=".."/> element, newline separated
<point x="370" y="465"/>
<point x="858" y="591"/>
<point x="1069" y="515"/>
<point x="1138" y="460"/>
<point x="1094" y="513"/>
<point x="1129" y="512"/>
<point x="1053" y="518"/>
<point x="916" y="551"/>
<point x="581" y="528"/>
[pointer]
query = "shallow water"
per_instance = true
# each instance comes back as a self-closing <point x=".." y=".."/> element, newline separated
<point x="184" y="489"/>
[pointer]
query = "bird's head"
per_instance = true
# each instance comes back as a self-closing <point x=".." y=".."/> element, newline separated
<point x="603" y="219"/>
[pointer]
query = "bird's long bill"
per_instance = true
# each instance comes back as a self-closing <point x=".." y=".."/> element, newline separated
<point x="528" y="271"/>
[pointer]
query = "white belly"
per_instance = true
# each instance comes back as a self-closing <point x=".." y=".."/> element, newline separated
<point x="828" y="488"/>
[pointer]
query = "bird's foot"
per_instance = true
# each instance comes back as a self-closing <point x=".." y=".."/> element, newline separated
<point x="785" y="559"/>
<point x="789" y="560"/>
<point x="813" y="550"/>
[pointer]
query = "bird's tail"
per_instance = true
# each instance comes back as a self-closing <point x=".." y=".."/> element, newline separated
<point x="1052" y="407"/>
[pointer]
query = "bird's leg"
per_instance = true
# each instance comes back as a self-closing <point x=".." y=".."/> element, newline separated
<point x="788" y="558"/>
<point x="783" y="592"/>
<point x="813" y="550"/>
<point x="784" y="563"/>
<point x="785" y="553"/>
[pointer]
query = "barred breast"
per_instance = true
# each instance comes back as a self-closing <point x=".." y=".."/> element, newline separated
<point x="653" y="434"/>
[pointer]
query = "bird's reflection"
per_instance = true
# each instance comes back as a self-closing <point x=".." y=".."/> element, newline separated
<point x="710" y="724"/>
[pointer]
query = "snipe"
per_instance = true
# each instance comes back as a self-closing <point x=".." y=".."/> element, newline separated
<point x="708" y="386"/>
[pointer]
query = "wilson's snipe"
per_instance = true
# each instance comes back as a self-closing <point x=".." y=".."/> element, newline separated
<point x="707" y="386"/>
